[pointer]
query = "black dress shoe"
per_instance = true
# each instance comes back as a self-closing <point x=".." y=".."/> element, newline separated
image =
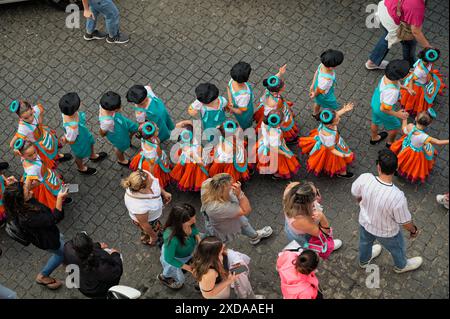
<point x="383" y="135"/>
<point x="3" y="166"/>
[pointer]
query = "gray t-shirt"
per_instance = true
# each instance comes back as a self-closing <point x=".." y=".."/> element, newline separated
<point x="223" y="217"/>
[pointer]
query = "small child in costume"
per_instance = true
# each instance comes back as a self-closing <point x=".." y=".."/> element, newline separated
<point x="31" y="128"/>
<point x="272" y="100"/>
<point x="384" y="100"/>
<point x="324" y="82"/>
<point x="117" y="128"/>
<point x="273" y="156"/>
<point x="151" y="157"/>
<point x="209" y="105"/>
<point x="149" y="107"/>
<point x="230" y="155"/>
<point x="424" y="83"/>
<point x="40" y="181"/>
<point x="189" y="171"/>
<point x="240" y="94"/>
<point x="77" y="135"/>
<point x="326" y="149"/>
<point x="415" y="150"/>
<point x="4" y="181"/>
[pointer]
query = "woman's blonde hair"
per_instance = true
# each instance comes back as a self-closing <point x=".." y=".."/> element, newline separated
<point x="136" y="181"/>
<point x="299" y="200"/>
<point x="215" y="190"/>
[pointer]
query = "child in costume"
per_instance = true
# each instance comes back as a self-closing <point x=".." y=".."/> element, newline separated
<point x="40" y="181"/>
<point x="149" y="107"/>
<point x="77" y="135"/>
<point x="230" y="155"/>
<point x="117" y="128"/>
<point x="189" y="171"/>
<point x="151" y="157"/>
<point x="324" y="82"/>
<point x="32" y="129"/>
<point x="424" y="83"/>
<point x="209" y="105"/>
<point x="272" y="100"/>
<point x="415" y="150"/>
<point x="240" y="94"/>
<point x="273" y="156"/>
<point x="326" y="149"/>
<point x="4" y="181"/>
<point x="384" y="101"/>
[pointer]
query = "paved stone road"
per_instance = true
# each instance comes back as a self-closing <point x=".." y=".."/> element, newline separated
<point x="175" y="45"/>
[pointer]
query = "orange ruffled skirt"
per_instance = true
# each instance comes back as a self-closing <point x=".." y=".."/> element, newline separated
<point x="189" y="177"/>
<point x="412" y="165"/>
<point x="414" y="104"/>
<point x="286" y="167"/>
<point x="44" y="196"/>
<point x="162" y="176"/>
<point x="322" y="160"/>
<point x="218" y="168"/>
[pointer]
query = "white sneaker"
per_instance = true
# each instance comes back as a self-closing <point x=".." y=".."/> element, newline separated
<point x="376" y="251"/>
<point x="262" y="233"/>
<point x="260" y="297"/>
<point x="443" y="200"/>
<point x="412" y="264"/>
<point x="337" y="244"/>
<point x="373" y="66"/>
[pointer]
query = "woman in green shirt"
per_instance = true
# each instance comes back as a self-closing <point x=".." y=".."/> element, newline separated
<point x="180" y="239"/>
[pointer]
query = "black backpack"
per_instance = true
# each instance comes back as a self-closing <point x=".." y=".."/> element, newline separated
<point x="17" y="233"/>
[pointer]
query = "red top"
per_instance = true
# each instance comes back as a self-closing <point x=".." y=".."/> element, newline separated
<point x="413" y="11"/>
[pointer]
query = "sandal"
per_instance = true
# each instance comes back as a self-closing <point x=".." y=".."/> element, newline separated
<point x="148" y="241"/>
<point x="52" y="285"/>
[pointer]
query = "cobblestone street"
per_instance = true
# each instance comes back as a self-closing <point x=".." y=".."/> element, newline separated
<point x="174" y="45"/>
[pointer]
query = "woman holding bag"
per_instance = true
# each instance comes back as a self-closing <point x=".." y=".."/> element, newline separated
<point x="401" y="21"/>
<point x="305" y="221"/>
<point x="144" y="199"/>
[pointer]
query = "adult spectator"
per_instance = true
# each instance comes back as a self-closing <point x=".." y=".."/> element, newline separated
<point x="383" y="209"/>
<point x="100" y="266"/>
<point x="180" y="239"/>
<point x="144" y="199"/>
<point x="92" y="11"/>
<point x="391" y="14"/>
<point x="304" y="216"/>
<point x="297" y="274"/>
<point x="210" y="269"/>
<point x="38" y="222"/>
<point x="225" y="207"/>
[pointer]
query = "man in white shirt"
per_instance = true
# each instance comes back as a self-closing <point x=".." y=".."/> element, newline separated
<point x="383" y="209"/>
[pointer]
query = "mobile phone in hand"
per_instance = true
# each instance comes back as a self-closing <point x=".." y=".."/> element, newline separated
<point x="239" y="269"/>
<point x="72" y="188"/>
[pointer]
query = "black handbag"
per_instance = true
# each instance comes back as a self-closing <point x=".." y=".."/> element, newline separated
<point x="14" y="231"/>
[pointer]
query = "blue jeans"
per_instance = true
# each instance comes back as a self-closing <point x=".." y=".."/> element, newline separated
<point x="247" y="229"/>
<point x="56" y="259"/>
<point x="381" y="50"/>
<point x="395" y="245"/>
<point x="300" y="239"/>
<point x="170" y="271"/>
<point x="6" y="293"/>
<point x="108" y="9"/>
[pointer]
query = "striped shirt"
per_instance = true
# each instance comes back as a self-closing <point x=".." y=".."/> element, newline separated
<point x="383" y="206"/>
